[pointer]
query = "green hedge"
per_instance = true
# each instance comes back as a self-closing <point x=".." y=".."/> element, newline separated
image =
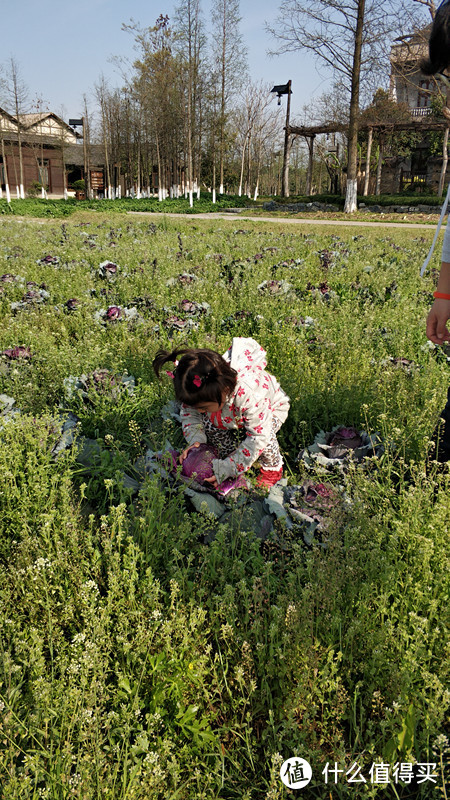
<point x="37" y="207"/>
<point x="371" y="200"/>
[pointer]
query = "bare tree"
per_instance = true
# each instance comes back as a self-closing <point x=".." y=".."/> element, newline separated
<point x="35" y="139"/>
<point x="101" y="91"/>
<point x="2" y="144"/>
<point x="4" y="164"/>
<point x="18" y="99"/>
<point x="254" y="126"/>
<point x="266" y="134"/>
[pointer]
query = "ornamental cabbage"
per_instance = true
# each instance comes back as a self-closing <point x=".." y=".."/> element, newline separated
<point x="198" y="463"/>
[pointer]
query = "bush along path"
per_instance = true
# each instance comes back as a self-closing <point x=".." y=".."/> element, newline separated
<point x="153" y="650"/>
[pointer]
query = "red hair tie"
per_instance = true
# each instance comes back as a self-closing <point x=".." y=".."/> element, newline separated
<point x="197" y="381"/>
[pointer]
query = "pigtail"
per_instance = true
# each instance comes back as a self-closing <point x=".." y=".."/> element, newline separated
<point x="163" y="356"/>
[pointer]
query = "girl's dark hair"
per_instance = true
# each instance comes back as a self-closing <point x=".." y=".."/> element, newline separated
<point x="201" y="376"/>
<point x="439" y="43"/>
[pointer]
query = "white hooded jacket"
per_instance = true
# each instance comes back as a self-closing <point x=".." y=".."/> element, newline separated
<point x="257" y="398"/>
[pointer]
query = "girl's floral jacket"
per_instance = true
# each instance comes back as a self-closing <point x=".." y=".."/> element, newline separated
<point x="256" y="399"/>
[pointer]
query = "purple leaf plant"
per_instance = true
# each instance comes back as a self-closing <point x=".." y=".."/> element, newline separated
<point x="337" y="448"/>
<point x="54" y="260"/>
<point x="114" y="314"/>
<point x="17" y="353"/>
<point x="108" y="270"/>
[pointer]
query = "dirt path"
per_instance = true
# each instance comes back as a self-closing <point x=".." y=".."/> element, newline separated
<point x="288" y="221"/>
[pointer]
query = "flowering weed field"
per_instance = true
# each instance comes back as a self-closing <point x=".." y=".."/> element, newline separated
<point x="150" y="651"/>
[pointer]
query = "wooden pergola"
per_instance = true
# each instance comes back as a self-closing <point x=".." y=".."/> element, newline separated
<point x="309" y="132"/>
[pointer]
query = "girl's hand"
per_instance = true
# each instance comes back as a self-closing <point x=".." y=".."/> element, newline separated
<point x="437" y="331"/>
<point x="183" y="455"/>
<point x="212" y="481"/>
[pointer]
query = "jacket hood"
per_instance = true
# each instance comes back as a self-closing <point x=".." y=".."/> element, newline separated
<point x="244" y="351"/>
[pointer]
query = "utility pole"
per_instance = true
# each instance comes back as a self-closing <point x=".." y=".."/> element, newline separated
<point x="85" y="160"/>
<point x="86" y="145"/>
<point x="285" y="89"/>
<point x="287" y="147"/>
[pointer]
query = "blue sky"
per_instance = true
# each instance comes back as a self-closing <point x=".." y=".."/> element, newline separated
<point x="63" y="46"/>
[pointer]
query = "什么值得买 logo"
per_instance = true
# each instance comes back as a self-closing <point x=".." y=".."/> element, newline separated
<point x="295" y="773"/>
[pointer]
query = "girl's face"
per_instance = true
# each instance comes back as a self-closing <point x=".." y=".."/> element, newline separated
<point x="210" y="408"/>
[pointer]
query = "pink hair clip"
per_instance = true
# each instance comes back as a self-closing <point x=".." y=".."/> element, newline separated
<point x="197" y="381"/>
<point x="172" y="374"/>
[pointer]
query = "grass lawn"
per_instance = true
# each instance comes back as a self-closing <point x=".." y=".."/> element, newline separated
<point x="139" y="662"/>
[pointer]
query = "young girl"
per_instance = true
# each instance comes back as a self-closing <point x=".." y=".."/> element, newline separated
<point x="231" y="403"/>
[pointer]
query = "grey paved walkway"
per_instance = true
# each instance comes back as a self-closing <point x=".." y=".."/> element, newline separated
<point x="297" y="221"/>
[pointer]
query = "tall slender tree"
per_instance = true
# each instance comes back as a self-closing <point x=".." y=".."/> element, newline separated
<point x="4" y="171"/>
<point x="156" y="88"/>
<point x="230" y="69"/>
<point x="101" y="91"/>
<point x="191" y="48"/>
<point x="18" y="100"/>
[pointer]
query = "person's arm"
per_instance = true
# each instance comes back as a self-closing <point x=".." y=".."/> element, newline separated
<point x="192" y="425"/>
<point x="439" y="314"/>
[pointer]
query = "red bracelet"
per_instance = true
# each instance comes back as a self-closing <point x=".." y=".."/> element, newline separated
<point x="441" y="296"/>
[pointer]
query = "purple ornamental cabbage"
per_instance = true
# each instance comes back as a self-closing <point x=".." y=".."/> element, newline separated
<point x="48" y="260"/>
<point x="193" y="308"/>
<point x="326" y="258"/>
<point x="34" y="296"/>
<point x="343" y="439"/>
<point x="230" y="484"/>
<point x="198" y="463"/>
<point x="186" y="279"/>
<point x="336" y="448"/>
<point x="113" y="313"/>
<point x="188" y="306"/>
<point x="175" y="322"/>
<point x="274" y="287"/>
<point x="107" y="269"/>
<point x="320" y="495"/>
<point x="72" y="304"/>
<point x="16" y="353"/>
<point x="315" y="507"/>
